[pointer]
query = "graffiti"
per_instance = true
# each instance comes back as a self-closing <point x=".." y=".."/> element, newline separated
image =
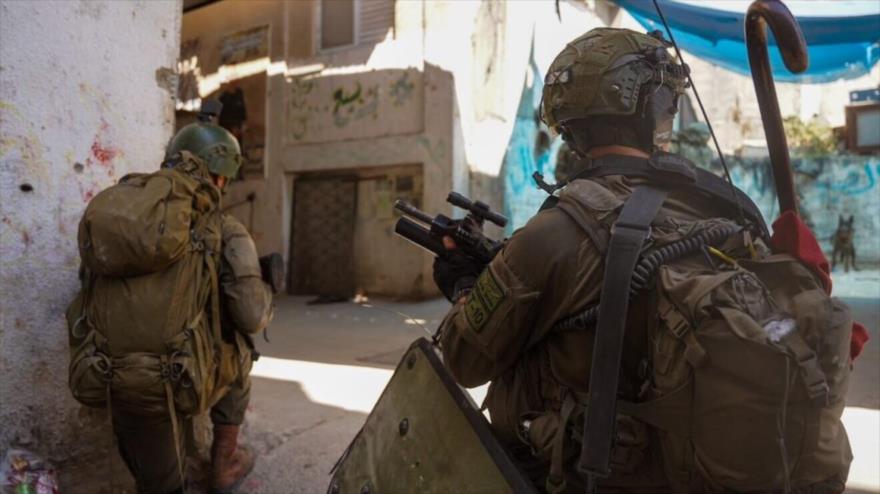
<point x="827" y="187"/>
<point x="299" y="114"/>
<point x="344" y="100"/>
<point x="401" y="90"/>
<point x="855" y="183"/>
<point x="355" y="106"/>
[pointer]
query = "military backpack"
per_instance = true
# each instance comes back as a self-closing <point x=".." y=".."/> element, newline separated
<point x="746" y="373"/>
<point x="144" y="331"/>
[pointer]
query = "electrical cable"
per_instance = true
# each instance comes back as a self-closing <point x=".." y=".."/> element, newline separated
<point x="647" y="267"/>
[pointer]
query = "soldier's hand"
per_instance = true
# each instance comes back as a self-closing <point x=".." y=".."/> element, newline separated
<point x="455" y="273"/>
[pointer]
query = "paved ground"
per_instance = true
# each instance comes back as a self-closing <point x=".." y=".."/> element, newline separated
<point x="325" y="366"/>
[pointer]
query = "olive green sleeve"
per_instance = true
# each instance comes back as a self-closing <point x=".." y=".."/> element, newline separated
<point x="246" y="297"/>
<point x="542" y="274"/>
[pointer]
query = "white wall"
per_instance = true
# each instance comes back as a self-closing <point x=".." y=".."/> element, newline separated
<point x="85" y="97"/>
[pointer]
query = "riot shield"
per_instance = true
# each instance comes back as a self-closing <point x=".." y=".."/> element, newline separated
<point x="425" y="435"/>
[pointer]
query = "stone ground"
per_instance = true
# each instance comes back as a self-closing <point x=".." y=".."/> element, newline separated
<point x="325" y="366"/>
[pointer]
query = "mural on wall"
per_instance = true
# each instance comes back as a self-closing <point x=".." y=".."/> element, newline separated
<point x="355" y="106"/>
<point x="830" y="186"/>
<point x="530" y="150"/>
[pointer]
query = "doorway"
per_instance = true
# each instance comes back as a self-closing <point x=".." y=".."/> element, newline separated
<point x="321" y="248"/>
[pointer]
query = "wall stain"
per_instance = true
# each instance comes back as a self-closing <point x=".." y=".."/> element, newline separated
<point x="401" y="90"/>
<point x="166" y="78"/>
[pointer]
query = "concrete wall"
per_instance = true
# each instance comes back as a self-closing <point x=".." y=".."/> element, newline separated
<point x="830" y="187"/>
<point x="86" y="94"/>
<point x="405" y="270"/>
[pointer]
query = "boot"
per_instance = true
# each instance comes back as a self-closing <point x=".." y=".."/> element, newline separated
<point x="230" y="462"/>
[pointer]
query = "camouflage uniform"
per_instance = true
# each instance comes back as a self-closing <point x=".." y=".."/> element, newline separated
<point x="145" y="443"/>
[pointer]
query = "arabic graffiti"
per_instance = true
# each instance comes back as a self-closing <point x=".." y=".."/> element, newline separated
<point x="355" y="106"/>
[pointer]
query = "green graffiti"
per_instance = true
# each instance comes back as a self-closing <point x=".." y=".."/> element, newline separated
<point x="341" y="99"/>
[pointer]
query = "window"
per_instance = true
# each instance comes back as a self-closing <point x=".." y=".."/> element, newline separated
<point x="344" y="23"/>
<point x="337" y="23"/>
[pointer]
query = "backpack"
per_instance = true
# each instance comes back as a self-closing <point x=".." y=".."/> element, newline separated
<point x="144" y="330"/>
<point x="748" y="365"/>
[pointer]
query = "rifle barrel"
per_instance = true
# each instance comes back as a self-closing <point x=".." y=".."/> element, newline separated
<point x="410" y="210"/>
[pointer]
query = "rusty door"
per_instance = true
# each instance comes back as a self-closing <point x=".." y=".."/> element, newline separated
<point x="322" y="241"/>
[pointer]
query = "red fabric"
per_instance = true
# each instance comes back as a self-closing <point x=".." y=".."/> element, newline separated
<point x="792" y="236"/>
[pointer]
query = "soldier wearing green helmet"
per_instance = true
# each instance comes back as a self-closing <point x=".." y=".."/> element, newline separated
<point x="147" y="444"/>
<point x="612" y="94"/>
<point x="211" y="143"/>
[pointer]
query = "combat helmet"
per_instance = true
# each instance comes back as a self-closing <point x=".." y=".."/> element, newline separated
<point x="213" y="144"/>
<point x="616" y="78"/>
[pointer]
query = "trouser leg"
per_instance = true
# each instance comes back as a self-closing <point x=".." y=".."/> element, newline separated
<point x="231" y="408"/>
<point x="147" y="445"/>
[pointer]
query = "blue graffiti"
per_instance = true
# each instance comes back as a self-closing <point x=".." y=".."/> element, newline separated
<point x="855" y="183"/>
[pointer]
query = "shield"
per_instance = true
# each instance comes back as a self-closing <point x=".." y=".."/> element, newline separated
<point x="425" y="434"/>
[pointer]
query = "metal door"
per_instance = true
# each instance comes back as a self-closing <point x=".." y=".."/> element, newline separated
<point x="322" y="243"/>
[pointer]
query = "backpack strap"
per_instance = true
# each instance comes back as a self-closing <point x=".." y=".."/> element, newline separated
<point x="674" y="171"/>
<point x="590" y="226"/>
<point x="628" y="235"/>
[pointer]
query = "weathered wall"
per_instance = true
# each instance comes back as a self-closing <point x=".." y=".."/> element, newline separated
<point x="830" y="187"/>
<point x="85" y="97"/>
<point x="409" y="273"/>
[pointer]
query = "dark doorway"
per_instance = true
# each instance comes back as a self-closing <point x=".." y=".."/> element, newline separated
<point x="322" y="246"/>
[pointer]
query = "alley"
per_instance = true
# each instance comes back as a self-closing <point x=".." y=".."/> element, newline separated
<point x="325" y="365"/>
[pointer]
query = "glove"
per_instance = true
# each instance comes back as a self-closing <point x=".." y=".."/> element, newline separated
<point x="456" y="273"/>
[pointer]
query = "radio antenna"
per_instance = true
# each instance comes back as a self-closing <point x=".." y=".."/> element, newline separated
<point x="733" y="191"/>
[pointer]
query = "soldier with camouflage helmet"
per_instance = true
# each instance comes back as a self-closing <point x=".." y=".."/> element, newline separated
<point x="612" y="94"/>
<point x="209" y="350"/>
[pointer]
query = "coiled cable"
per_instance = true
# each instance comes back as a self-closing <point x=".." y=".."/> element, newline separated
<point x="647" y="267"/>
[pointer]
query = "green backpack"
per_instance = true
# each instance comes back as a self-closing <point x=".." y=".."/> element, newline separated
<point x="750" y="372"/>
<point x="144" y="331"/>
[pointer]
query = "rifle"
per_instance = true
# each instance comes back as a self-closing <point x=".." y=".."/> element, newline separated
<point x="427" y="232"/>
<point x="272" y="270"/>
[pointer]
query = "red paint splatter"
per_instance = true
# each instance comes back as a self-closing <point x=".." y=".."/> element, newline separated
<point x="88" y="195"/>
<point x="104" y="155"/>
<point x="26" y="238"/>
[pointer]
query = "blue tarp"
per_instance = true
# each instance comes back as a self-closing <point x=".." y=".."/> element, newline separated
<point x="839" y="46"/>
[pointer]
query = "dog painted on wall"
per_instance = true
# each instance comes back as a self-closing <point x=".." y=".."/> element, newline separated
<point x="844" y="244"/>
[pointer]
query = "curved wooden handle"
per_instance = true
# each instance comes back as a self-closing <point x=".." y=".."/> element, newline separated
<point x="794" y="53"/>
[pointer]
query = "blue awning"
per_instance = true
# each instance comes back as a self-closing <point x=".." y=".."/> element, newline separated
<point x="843" y="37"/>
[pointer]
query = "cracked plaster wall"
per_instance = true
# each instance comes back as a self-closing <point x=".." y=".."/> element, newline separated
<point x="85" y="98"/>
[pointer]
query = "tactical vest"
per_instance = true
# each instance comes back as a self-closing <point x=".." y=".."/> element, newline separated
<point x="746" y="375"/>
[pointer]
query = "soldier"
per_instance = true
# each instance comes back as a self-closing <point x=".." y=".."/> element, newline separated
<point x="150" y="441"/>
<point x="612" y="94"/>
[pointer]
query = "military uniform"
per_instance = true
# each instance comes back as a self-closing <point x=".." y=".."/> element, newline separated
<point x="550" y="269"/>
<point x="145" y="443"/>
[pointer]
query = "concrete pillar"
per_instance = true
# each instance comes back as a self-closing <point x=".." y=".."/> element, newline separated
<point x="86" y="96"/>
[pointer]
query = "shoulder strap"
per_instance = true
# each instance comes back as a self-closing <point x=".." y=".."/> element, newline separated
<point x="673" y="171"/>
<point x="628" y="235"/>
